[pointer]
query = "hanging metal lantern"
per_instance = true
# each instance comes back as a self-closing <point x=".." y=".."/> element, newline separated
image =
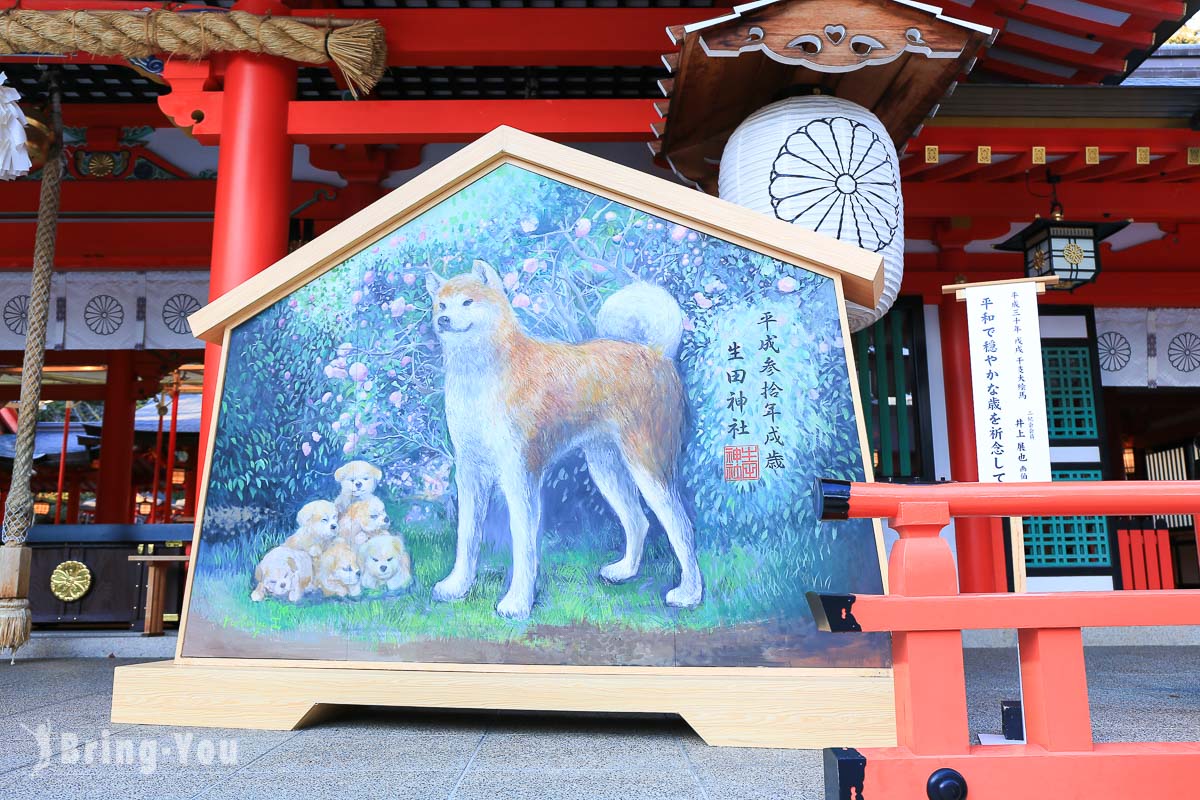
<point x="1069" y="250"/>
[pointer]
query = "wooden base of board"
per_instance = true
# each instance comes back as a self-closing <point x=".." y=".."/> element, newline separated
<point x="786" y="708"/>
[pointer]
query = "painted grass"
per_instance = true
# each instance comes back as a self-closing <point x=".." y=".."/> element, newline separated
<point x="739" y="588"/>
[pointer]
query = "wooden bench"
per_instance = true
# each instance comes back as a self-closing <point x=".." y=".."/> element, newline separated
<point x="156" y="589"/>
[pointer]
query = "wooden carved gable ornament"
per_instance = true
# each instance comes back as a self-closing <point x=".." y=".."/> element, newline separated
<point x="727" y="68"/>
<point x="852" y="36"/>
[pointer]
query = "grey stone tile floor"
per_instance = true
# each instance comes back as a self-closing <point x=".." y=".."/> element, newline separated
<point x="60" y="743"/>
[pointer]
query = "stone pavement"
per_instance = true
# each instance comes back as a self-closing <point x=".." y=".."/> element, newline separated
<point x="60" y="744"/>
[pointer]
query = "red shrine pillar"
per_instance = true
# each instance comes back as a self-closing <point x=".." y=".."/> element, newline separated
<point x="978" y="540"/>
<point x="254" y="176"/>
<point x="114" y="485"/>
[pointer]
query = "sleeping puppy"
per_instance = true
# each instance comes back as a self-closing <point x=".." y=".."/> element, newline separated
<point x="317" y="526"/>
<point x="363" y="520"/>
<point x="385" y="563"/>
<point x="358" y="480"/>
<point x="284" y="573"/>
<point x="338" y="572"/>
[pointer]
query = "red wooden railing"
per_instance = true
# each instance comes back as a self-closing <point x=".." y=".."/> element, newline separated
<point x="926" y="615"/>
<point x="1146" y="559"/>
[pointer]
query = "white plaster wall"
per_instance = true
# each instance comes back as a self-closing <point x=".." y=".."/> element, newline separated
<point x="1069" y="583"/>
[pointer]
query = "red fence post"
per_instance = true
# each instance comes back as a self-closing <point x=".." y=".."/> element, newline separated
<point x="927" y="616"/>
<point x="1054" y="688"/>
<point x="931" y="687"/>
<point x="1123" y="555"/>
<point x="1166" y="564"/>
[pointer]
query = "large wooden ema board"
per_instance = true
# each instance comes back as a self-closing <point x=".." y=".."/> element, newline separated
<point x="534" y="431"/>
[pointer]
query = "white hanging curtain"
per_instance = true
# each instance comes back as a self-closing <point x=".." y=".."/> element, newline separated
<point x="1177" y="339"/>
<point x="1121" y="337"/>
<point x="14" y="158"/>
<point x="171" y="297"/>
<point x="107" y="310"/>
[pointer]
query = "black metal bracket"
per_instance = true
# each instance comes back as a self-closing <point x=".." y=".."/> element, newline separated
<point x="845" y="771"/>
<point x="832" y="612"/>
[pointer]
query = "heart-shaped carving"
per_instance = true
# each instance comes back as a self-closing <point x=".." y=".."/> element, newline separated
<point x="835" y="33"/>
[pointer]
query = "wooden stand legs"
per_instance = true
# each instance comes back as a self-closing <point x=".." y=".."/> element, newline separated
<point x="797" y="708"/>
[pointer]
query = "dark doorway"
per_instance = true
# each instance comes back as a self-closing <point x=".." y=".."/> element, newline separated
<point x="1155" y="434"/>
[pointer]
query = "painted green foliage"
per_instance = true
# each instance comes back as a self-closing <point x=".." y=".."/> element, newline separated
<point x="348" y="367"/>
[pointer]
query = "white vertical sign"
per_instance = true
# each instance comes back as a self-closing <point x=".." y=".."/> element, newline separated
<point x="1011" y="438"/>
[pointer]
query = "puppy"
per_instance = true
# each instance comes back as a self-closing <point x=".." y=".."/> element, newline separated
<point x="358" y="480"/>
<point x="317" y="527"/>
<point x="283" y="573"/>
<point x="385" y="563"/>
<point x="362" y="520"/>
<point x="338" y="572"/>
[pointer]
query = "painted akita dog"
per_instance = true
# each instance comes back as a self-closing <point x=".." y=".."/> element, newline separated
<point x="514" y="404"/>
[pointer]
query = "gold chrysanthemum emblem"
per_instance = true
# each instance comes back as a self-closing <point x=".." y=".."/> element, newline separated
<point x="1073" y="253"/>
<point x="70" y="581"/>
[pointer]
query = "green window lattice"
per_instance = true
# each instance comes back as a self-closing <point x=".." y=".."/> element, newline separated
<point x="1070" y="395"/>
<point x="1058" y="542"/>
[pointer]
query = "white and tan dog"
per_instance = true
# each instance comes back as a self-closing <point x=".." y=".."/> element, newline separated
<point x="339" y="572"/>
<point x="317" y="527"/>
<point x="284" y="573"/>
<point x="357" y="480"/>
<point x="515" y="404"/>
<point x="385" y="563"/>
<point x="362" y="520"/>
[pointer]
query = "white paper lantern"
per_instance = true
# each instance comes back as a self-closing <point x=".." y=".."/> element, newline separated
<point x="14" y="158"/>
<point x="828" y="165"/>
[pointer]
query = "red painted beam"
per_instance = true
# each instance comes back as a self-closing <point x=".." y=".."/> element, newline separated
<point x="995" y="611"/>
<point x="82" y="392"/>
<point x="114" y="115"/>
<point x="147" y="198"/>
<point x="1078" y="77"/>
<point x="1136" y="38"/>
<point x="1114" y="289"/>
<point x="1156" y="10"/>
<point x="1106" y="498"/>
<point x="1142" y="770"/>
<point x="1057" y="141"/>
<point x="559" y="37"/>
<point x="1100" y="60"/>
<point x="421" y="121"/>
<point x="1147" y="202"/>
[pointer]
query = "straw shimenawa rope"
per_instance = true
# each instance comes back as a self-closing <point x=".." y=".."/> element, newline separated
<point x="357" y="48"/>
<point x="15" y="618"/>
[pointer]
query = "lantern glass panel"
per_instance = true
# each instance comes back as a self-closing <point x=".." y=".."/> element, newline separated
<point x="1073" y="254"/>
<point x="1037" y="256"/>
